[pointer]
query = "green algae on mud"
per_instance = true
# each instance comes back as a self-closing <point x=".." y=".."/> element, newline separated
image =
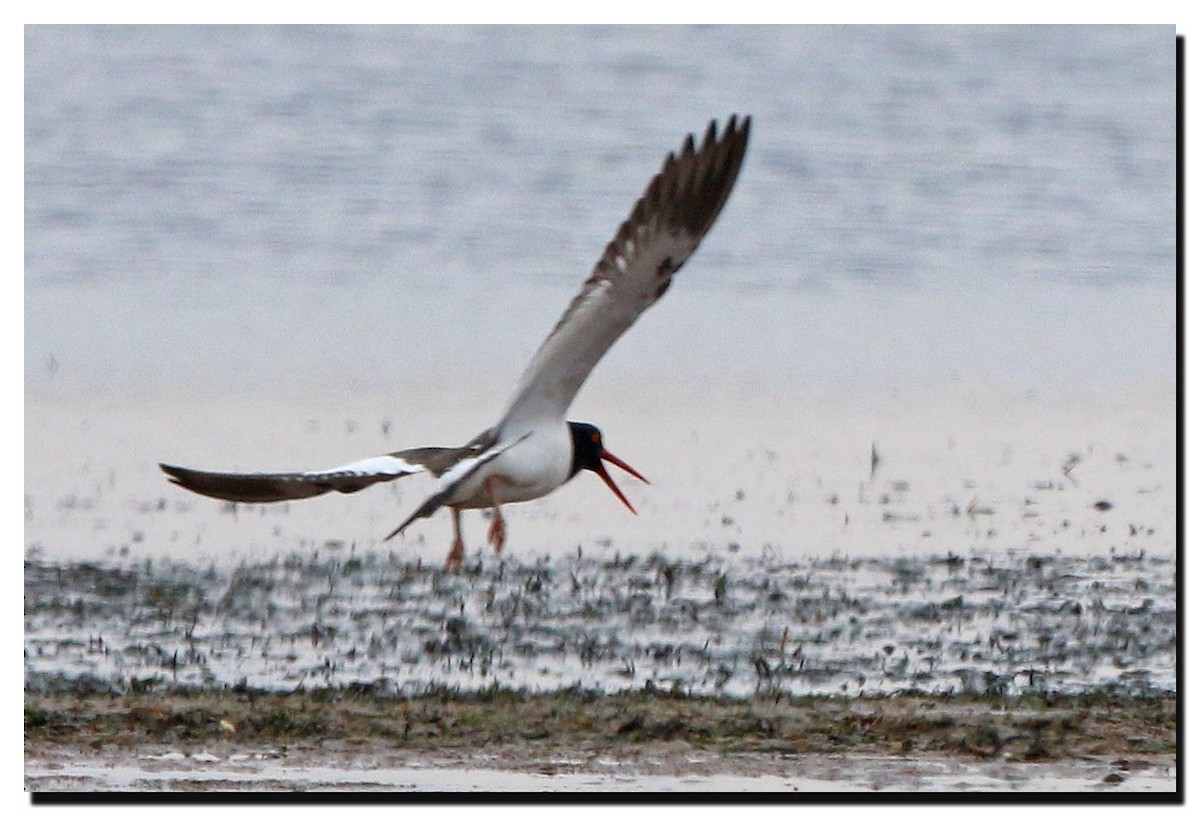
<point x="1021" y="728"/>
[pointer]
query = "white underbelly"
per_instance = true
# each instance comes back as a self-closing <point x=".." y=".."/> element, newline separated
<point x="529" y="470"/>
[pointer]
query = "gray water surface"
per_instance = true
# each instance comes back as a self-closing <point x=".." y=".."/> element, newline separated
<point x="240" y="208"/>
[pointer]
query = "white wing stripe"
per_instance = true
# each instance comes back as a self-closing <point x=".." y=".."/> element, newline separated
<point x="386" y="465"/>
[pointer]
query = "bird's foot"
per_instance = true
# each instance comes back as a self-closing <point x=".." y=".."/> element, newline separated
<point x="496" y="531"/>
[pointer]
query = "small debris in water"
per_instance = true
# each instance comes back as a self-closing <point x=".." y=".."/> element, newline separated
<point x="1041" y="623"/>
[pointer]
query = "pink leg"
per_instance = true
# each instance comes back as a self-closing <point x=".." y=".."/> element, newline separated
<point x="455" y="558"/>
<point x="496" y="531"/>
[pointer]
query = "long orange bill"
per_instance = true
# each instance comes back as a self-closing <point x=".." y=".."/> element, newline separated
<point x="603" y="474"/>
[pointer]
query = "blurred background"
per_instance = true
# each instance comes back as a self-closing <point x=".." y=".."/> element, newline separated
<point x="246" y="207"/>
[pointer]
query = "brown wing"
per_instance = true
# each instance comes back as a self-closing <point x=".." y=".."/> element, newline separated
<point x="665" y="227"/>
<point x="272" y="487"/>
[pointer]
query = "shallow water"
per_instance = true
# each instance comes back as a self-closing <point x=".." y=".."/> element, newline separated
<point x="234" y="771"/>
<point x="216" y="209"/>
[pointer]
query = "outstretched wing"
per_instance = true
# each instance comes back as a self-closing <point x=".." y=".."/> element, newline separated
<point x="665" y="227"/>
<point x="272" y="487"/>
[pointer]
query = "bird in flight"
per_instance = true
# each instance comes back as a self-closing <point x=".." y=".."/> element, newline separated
<point x="533" y="449"/>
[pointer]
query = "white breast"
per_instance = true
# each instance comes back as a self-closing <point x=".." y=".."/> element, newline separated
<point x="534" y="467"/>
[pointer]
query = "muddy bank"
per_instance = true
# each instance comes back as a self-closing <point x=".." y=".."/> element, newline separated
<point x="573" y="740"/>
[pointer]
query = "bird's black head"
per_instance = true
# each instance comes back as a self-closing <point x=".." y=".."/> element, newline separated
<point x="588" y="453"/>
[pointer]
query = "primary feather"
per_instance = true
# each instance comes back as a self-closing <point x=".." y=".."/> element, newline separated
<point x="666" y="225"/>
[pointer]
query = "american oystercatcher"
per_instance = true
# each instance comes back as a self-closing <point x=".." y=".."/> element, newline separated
<point x="533" y="450"/>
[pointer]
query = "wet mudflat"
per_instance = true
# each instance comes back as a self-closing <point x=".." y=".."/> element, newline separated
<point x="332" y="671"/>
<point x="942" y="624"/>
